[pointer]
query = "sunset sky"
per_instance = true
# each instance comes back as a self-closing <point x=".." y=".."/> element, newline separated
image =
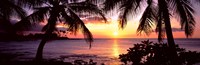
<point x="100" y="29"/>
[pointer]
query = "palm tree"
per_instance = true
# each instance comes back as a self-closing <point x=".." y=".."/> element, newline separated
<point x="64" y="11"/>
<point x="158" y="14"/>
<point x="9" y="10"/>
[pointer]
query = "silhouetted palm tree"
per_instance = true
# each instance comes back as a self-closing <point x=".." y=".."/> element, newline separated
<point x="158" y="14"/>
<point x="64" y="11"/>
<point x="9" y="10"/>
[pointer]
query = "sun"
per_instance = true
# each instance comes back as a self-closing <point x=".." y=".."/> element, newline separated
<point x="115" y="33"/>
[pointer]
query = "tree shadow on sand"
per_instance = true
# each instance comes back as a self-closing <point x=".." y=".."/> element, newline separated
<point x="150" y="53"/>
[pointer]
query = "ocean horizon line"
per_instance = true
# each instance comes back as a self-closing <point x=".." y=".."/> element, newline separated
<point x="128" y="38"/>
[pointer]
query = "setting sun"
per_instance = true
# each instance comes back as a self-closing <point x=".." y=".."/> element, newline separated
<point x="115" y="33"/>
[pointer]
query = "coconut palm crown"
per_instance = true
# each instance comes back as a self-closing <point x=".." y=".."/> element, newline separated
<point x="8" y="11"/>
<point x="59" y="11"/>
<point x="157" y="12"/>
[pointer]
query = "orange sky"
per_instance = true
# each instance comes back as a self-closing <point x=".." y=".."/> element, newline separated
<point x="100" y="29"/>
<point x="111" y="30"/>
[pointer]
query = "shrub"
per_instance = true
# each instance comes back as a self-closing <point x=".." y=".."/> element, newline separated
<point x="149" y="53"/>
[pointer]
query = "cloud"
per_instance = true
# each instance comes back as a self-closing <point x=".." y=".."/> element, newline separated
<point x="37" y="27"/>
<point x="177" y="30"/>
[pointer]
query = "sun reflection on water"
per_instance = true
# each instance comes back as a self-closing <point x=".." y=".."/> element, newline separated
<point x="115" y="49"/>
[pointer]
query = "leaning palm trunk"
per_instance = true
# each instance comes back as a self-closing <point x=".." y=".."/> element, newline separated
<point x="48" y="35"/>
<point x="62" y="11"/>
<point x="157" y="11"/>
<point x="173" y="55"/>
<point x="39" y="55"/>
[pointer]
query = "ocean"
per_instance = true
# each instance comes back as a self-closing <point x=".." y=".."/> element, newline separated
<point x="102" y="51"/>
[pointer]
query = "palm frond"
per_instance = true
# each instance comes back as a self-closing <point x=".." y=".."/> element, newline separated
<point x="128" y="7"/>
<point x="185" y="12"/>
<point x="111" y="4"/>
<point x="74" y="0"/>
<point x="31" y="3"/>
<point x="70" y="21"/>
<point x="19" y="11"/>
<point x="86" y="7"/>
<point x="95" y="1"/>
<point x="190" y="25"/>
<point x="87" y="34"/>
<point x="7" y="8"/>
<point x="147" y="20"/>
<point x="122" y="20"/>
<point x="38" y="16"/>
<point x="64" y="1"/>
<point x="12" y="8"/>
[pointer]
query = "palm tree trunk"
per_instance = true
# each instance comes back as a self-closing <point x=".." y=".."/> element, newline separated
<point x="173" y="54"/>
<point x="48" y="34"/>
<point x="39" y="55"/>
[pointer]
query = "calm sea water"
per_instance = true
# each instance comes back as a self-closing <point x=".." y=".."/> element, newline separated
<point x="102" y="51"/>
